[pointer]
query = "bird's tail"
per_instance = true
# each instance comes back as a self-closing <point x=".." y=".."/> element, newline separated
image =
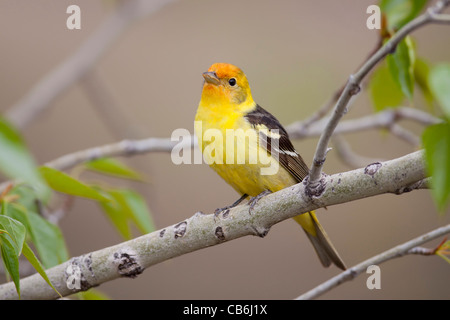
<point x="319" y="239"/>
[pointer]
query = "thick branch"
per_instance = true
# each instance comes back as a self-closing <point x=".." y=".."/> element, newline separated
<point x="130" y="258"/>
<point x="353" y="87"/>
<point x="398" y="251"/>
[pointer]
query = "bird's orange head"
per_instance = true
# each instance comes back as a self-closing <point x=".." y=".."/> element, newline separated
<point x="226" y="84"/>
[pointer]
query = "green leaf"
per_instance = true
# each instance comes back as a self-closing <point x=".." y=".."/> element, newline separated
<point x="113" y="167"/>
<point x="118" y="217"/>
<point x="421" y="75"/>
<point x="444" y="251"/>
<point x="128" y="206"/>
<point x="135" y="207"/>
<point x="64" y="183"/>
<point x="26" y="196"/>
<point x="92" y="294"/>
<point x="10" y="259"/>
<point x="400" y="12"/>
<point x="401" y="66"/>
<point x="29" y="254"/>
<point x="14" y="231"/>
<point x="12" y="238"/>
<point x="385" y="93"/>
<point x="51" y="247"/>
<point x="439" y="81"/>
<point x="16" y="212"/>
<point x="48" y="240"/>
<point x="45" y="236"/>
<point x="436" y="140"/>
<point x="17" y="163"/>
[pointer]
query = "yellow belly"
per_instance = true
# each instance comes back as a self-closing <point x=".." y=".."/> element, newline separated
<point x="247" y="178"/>
<point x="247" y="170"/>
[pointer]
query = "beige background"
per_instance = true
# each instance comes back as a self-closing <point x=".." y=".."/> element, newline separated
<point x="295" y="54"/>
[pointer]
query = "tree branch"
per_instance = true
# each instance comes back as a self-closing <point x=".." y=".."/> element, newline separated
<point x="409" y="247"/>
<point x="122" y="148"/>
<point x="421" y="184"/>
<point x="405" y="135"/>
<point x="353" y="87"/>
<point x="130" y="258"/>
<point x="380" y="120"/>
<point x="352" y="159"/>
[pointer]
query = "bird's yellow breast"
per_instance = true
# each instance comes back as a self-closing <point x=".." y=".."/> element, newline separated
<point x="238" y="159"/>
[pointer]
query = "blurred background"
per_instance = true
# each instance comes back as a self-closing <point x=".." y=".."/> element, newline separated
<point x="296" y="54"/>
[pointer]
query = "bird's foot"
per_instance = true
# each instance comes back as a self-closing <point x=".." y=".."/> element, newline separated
<point x="254" y="200"/>
<point x="226" y="210"/>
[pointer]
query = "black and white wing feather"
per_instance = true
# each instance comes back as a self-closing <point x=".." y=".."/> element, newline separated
<point x="270" y="128"/>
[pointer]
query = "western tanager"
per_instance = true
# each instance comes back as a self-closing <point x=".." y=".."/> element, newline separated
<point x="227" y="104"/>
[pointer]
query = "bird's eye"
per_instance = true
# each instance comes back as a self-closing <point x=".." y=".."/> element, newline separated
<point x="232" y="82"/>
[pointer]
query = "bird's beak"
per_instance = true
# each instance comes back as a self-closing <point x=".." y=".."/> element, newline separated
<point x="211" y="77"/>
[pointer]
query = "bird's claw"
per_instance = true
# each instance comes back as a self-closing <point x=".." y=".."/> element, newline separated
<point x="224" y="211"/>
<point x="254" y="200"/>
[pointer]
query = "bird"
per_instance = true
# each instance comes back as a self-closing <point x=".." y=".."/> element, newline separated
<point x="227" y="104"/>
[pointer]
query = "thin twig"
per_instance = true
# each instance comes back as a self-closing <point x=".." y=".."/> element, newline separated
<point x="441" y="18"/>
<point x="427" y="251"/>
<point x="380" y="120"/>
<point x="123" y="148"/>
<point x="353" y="87"/>
<point x="348" y="156"/>
<point x="395" y="252"/>
<point x="405" y="135"/>
<point x="55" y="215"/>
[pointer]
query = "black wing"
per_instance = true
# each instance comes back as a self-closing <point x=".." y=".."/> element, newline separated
<point x="288" y="157"/>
